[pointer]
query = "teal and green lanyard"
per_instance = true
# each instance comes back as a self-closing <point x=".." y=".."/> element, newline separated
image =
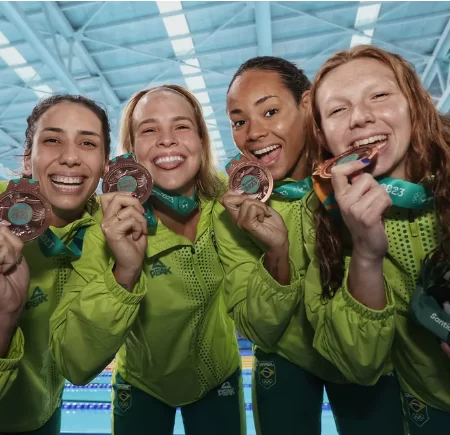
<point x="294" y="189"/>
<point x="51" y="245"/>
<point x="181" y="204"/>
<point x="402" y="193"/>
<point x="291" y="189"/>
<point x="407" y="195"/>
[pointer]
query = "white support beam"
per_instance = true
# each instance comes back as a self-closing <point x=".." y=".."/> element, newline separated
<point x="441" y="49"/>
<point x="440" y="77"/>
<point x="18" y="18"/>
<point x="65" y="28"/>
<point x="51" y="29"/>
<point x="443" y="105"/>
<point x="263" y="20"/>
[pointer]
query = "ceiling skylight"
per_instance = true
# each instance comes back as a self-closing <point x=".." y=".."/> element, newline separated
<point x="196" y="82"/>
<point x="366" y="14"/>
<point x="12" y="57"/>
<point x="182" y="46"/>
<point x="176" y="25"/>
<point x="169" y="6"/>
<point x="192" y="67"/>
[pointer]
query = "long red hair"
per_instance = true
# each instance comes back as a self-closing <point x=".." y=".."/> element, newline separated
<point x="427" y="159"/>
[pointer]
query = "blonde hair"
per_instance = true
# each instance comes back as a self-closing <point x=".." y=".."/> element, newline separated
<point x="208" y="183"/>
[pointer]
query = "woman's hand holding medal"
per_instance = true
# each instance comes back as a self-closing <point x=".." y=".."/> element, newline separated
<point x="362" y="203"/>
<point x="257" y="218"/>
<point x="14" y="282"/>
<point x="125" y="229"/>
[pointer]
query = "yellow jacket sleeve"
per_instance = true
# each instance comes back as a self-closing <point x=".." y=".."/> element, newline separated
<point x="355" y="338"/>
<point x="95" y="314"/>
<point x="10" y="363"/>
<point x="260" y="307"/>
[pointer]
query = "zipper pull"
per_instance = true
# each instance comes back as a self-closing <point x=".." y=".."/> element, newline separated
<point x="194" y="257"/>
<point x="412" y="224"/>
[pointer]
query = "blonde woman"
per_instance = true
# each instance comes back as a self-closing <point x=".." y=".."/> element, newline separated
<point x="177" y="348"/>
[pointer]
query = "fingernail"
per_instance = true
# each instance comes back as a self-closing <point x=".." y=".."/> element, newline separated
<point x="366" y="161"/>
<point x="5" y="222"/>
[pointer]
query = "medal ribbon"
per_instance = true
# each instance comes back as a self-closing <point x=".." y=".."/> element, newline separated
<point x="51" y="245"/>
<point x="181" y="204"/>
<point x="295" y="189"/>
<point x="125" y="156"/>
<point x="403" y="193"/>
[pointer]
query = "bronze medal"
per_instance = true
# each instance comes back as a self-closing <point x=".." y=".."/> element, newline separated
<point x="22" y="205"/>
<point x="126" y="175"/>
<point x="252" y="179"/>
<point x="362" y="152"/>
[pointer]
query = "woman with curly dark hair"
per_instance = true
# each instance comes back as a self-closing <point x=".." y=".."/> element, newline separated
<point x="67" y="144"/>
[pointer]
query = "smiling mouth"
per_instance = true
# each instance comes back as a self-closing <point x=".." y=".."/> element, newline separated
<point x="169" y="162"/>
<point x="67" y="183"/>
<point x="263" y="152"/>
<point x="379" y="141"/>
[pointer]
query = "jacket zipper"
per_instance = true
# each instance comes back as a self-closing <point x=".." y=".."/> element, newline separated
<point x="416" y="242"/>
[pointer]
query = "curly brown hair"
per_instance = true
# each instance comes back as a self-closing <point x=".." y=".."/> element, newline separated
<point x="427" y="158"/>
<point x="53" y="100"/>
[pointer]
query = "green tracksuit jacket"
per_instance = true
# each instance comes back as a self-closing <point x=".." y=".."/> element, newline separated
<point x="33" y="382"/>
<point x="359" y="340"/>
<point x="9" y="364"/>
<point x="172" y="333"/>
<point x="269" y="314"/>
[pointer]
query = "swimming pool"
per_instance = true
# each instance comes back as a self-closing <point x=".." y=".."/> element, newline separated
<point x="87" y="410"/>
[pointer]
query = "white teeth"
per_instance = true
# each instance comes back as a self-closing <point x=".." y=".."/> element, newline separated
<point x="382" y="144"/>
<point x="266" y="150"/>
<point x="369" y="140"/>
<point x="67" y="180"/>
<point x="169" y="159"/>
<point x="67" y="187"/>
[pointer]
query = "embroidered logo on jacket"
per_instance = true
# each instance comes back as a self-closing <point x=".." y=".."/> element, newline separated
<point x="37" y="298"/>
<point x="417" y="410"/>
<point x="124" y="398"/>
<point x="159" y="268"/>
<point x="267" y="373"/>
<point x="226" y="390"/>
